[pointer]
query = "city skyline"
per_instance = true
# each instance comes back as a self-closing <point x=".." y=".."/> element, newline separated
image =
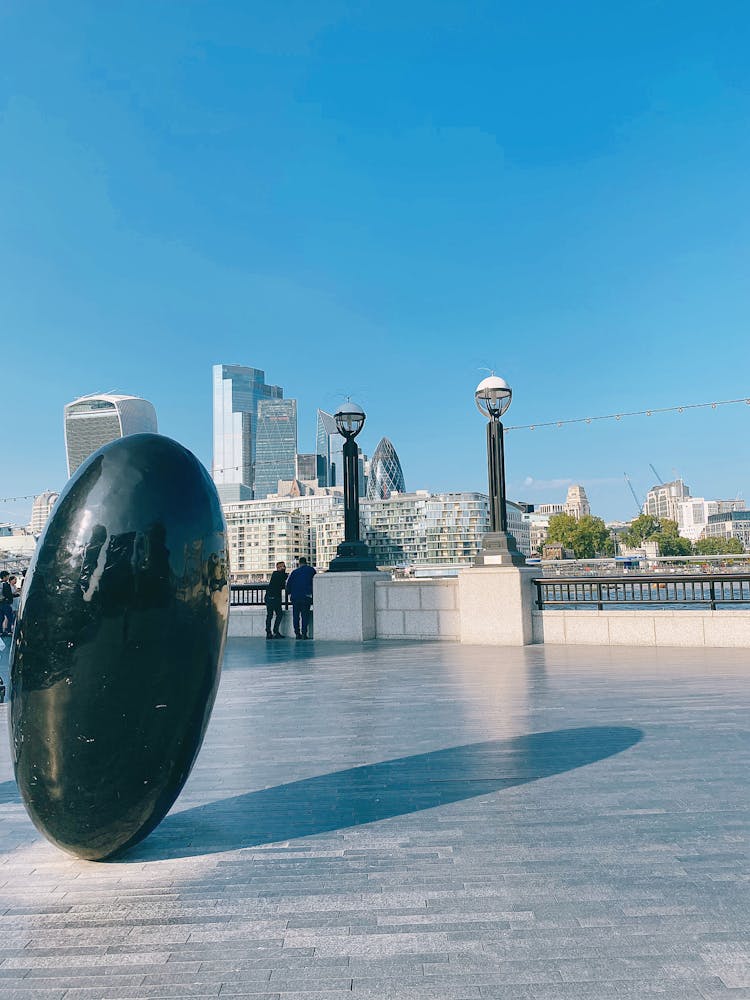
<point x="528" y="489"/>
<point x="368" y="209"/>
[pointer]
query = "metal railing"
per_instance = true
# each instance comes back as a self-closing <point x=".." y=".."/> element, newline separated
<point x="251" y="595"/>
<point x="642" y="566"/>
<point x="643" y="591"/>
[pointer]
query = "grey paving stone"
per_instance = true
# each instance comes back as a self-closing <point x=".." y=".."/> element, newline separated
<point x="384" y="990"/>
<point x="142" y="992"/>
<point x="279" y="875"/>
<point x="19" y="993"/>
<point x="69" y="978"/>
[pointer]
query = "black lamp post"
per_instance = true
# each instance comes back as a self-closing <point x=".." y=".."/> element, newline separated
<point x="353" y="556"/>
<point x="493" y="396"/>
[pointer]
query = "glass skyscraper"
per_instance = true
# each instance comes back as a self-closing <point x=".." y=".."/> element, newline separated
<point x="237" y="391"/>
<point x="93" y="421"/>
<point x="385" y="476"/>
<point x="311" y="468"/>
<point x="329" y="445"/>
<point x="276" y="445"/>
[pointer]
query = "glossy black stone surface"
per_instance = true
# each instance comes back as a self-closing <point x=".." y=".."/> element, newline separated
<point x="117" y="653"/>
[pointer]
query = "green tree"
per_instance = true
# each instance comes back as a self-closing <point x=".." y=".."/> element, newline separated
<point x="587" y="537"/>
<point x="670" y="542"/>
<point x="647" y="528"/>
<point x="592" y="538"/>
<point x="562" y="529"/>
<point x="718" y="546"/>
<point x="640" y="530"/>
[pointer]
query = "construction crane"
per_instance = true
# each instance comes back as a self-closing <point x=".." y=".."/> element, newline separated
<point x="630" y="487"/>
<point x="656" y="473"/>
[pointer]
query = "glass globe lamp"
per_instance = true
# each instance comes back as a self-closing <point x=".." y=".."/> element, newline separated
<point x="350" y="419"/>
<point x="493" y="396"/>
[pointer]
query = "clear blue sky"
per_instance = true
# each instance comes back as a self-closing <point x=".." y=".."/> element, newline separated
<point x="380" y="198"/>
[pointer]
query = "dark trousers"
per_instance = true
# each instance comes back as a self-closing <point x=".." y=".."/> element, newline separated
<point x="6" y="612"/>
<point x="301" y="610"/>
<point x="273" y="607"/>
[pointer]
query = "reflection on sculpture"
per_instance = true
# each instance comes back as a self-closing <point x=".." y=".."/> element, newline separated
<point x="118" y="646"/>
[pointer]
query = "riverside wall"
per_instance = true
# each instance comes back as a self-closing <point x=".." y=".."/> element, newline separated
<point x="431" y="609"/>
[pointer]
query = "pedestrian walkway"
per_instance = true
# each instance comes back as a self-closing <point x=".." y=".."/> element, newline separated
<point x="420" y="821"/>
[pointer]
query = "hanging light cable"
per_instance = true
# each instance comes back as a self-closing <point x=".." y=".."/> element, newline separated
<point x="630" y="413"/>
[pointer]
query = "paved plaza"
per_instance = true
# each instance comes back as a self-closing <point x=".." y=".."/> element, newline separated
<point x="424" y="820"/>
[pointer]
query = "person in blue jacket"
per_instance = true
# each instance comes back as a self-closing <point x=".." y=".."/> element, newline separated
<point x="299" y="586"/>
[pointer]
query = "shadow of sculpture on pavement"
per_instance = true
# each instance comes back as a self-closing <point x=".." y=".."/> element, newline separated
<point x="373" y="792"/>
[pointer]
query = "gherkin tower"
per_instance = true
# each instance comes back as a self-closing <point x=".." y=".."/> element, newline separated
<point x="386" y="476"/>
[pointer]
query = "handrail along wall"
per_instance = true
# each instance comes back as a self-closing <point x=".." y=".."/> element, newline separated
<point x="252" y="595"/>
<point x="632" y="591"/>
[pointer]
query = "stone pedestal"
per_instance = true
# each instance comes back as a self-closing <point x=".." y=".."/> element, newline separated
<point x="495" y="604"/>
<point x="352" y="557"/>
<point x="344" y="605"/>
<point x="499" y="549"/>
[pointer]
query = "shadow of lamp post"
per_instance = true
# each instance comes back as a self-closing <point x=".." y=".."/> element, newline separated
<point x="353" y="556"/>
<point x="493" y="396"/>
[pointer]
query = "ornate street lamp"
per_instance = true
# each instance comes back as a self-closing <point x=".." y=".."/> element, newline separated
<point x="352" y="554"/>
<point x="493" y="396"/>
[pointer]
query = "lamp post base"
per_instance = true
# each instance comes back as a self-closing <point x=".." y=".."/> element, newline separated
<point x="352" y="557"/>
<point x="499" y="549"/>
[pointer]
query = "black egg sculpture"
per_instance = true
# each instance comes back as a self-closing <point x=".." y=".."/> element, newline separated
<point x="117" y="651"/>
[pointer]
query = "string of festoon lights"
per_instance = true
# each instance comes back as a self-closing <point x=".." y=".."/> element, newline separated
<point x="29" y="496"/>
<point x="631" y="413"/>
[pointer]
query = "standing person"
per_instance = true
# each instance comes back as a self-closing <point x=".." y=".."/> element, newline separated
<point x="273" y="601"/>
<point x="6" y="604"/>
<point x="16" y="589"/>
<point x="299" y="586"/>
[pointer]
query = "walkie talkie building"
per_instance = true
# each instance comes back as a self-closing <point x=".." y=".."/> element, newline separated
<point x="93" y="421"/>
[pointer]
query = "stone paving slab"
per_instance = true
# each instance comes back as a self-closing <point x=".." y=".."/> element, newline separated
<point x="386" y="821"/>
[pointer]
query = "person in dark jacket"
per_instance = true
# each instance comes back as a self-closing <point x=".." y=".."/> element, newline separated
<point x="273" y="601"/>
<point x="299" y="586"/>
<point x="6" y="604"/>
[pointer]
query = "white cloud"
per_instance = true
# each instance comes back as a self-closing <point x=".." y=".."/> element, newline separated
<point x="546" y="484"/>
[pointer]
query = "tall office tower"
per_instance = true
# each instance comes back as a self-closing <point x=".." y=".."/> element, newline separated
<point x="237" y="391"/>
<point x="386" y="476"/>
<point x="93" y="421"/>
<point x="41" y="510"/>
<point x="363" y="464"/>
<point x="329" y="445"/>
<point x="311" y="468"/>
<point x="276" y="445"/>
<point x="577" y="503"/>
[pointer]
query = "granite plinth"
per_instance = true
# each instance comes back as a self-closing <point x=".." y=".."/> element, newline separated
<point x="344" y="605"/>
